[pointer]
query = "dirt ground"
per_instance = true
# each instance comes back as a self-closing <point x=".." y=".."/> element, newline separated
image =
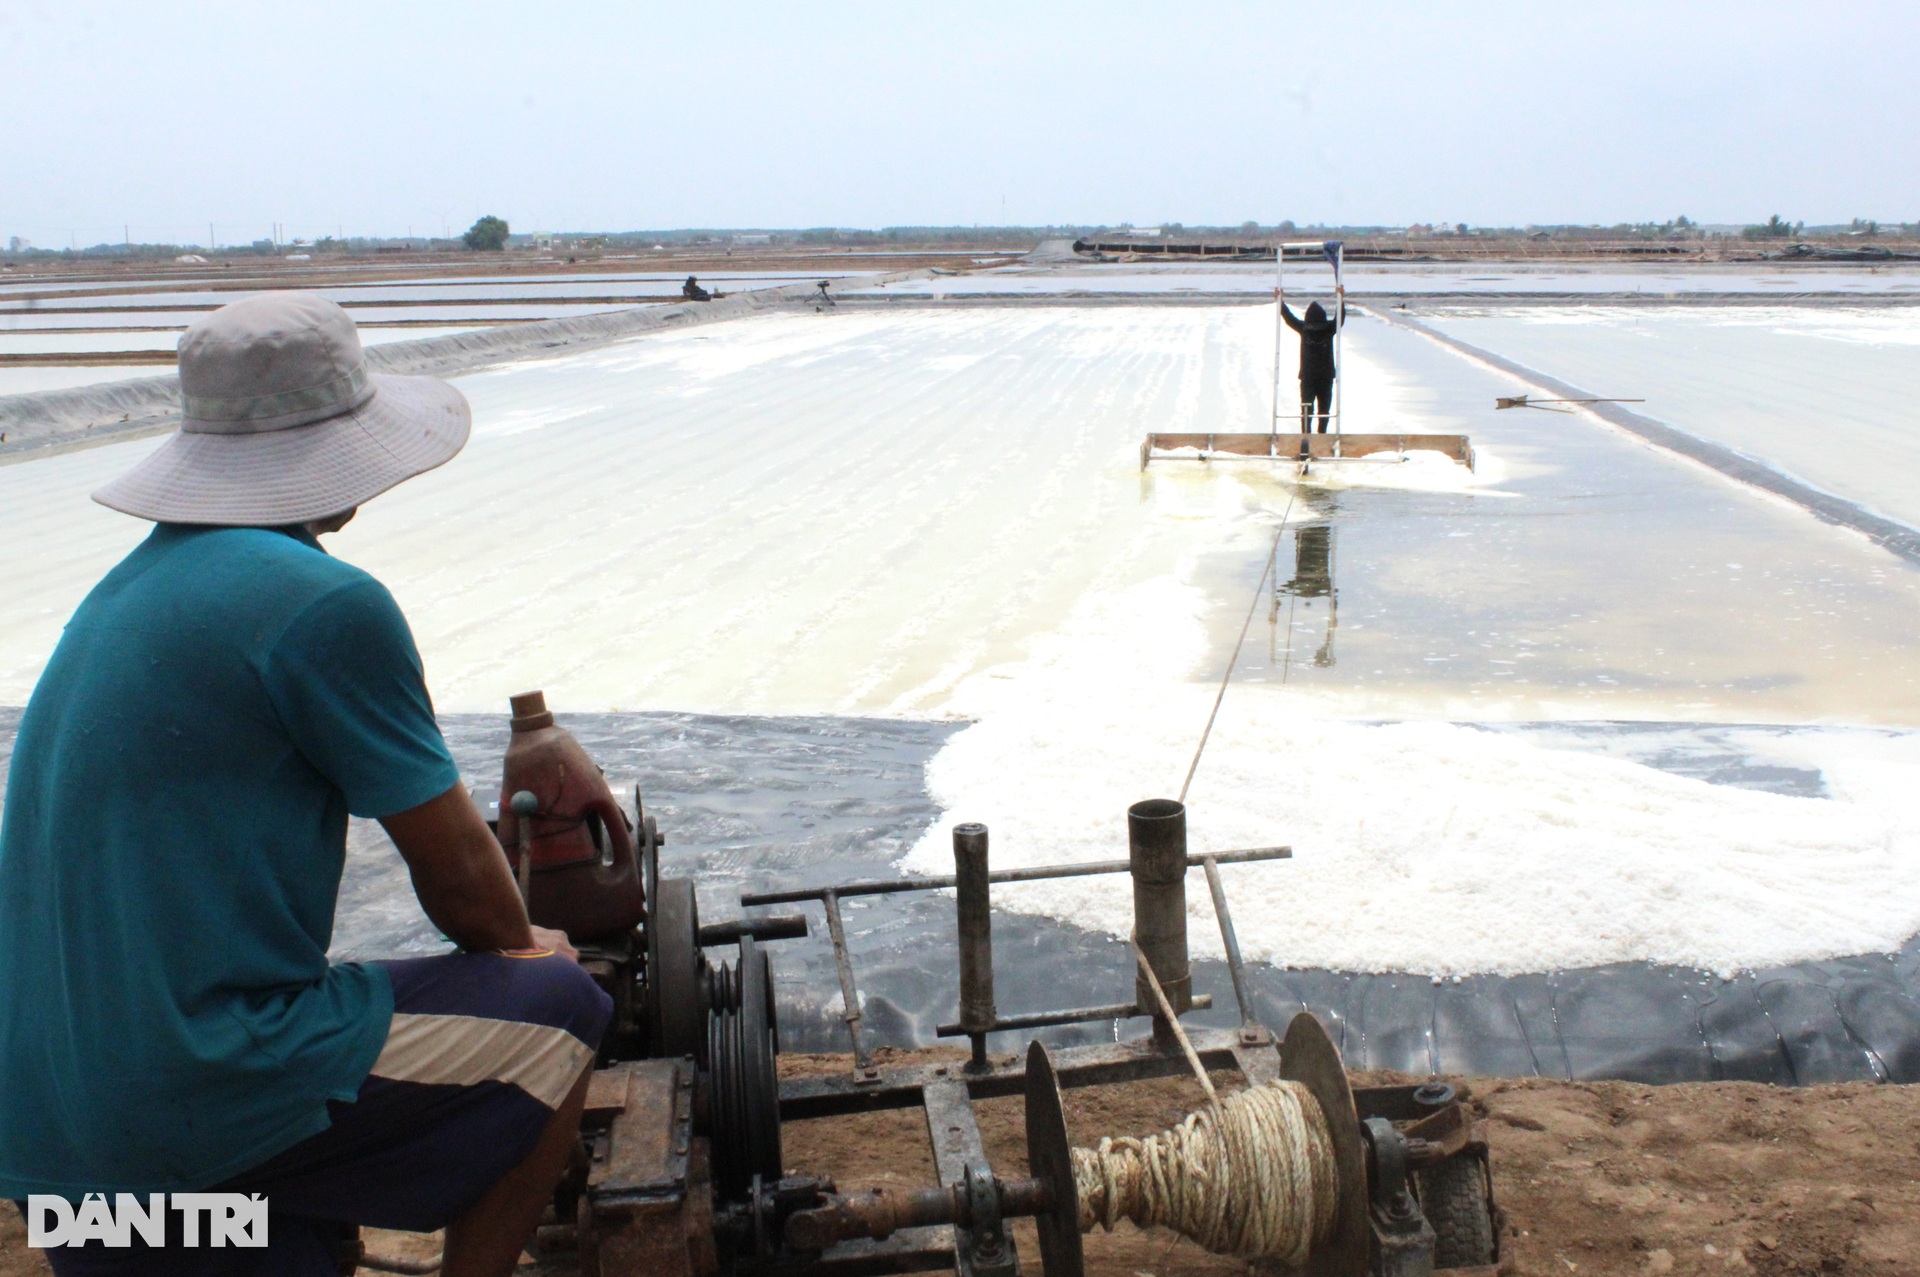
<point x="1596" y="1178"/>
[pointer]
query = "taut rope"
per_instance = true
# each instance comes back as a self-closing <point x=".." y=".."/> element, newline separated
<point x="1227" y="677"/>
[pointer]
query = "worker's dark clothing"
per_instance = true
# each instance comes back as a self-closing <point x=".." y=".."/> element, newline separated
<point x="1317" y="372"/>
<point x="1316" y="404"/>
<point x="692" y="291"/>
<point x="1316" y="331"/>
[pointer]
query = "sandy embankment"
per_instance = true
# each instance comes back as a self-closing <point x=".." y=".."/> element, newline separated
<point x="1599" y="1178"/>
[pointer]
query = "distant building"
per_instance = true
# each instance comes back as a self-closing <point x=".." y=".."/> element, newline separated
<point x="753" y="239"/>
<point x="15" y="244"/>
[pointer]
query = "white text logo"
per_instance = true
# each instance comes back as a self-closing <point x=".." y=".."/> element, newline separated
<point x="230" y="1219"/>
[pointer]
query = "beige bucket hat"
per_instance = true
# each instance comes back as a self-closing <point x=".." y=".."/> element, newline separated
<point x="281" y="423"/>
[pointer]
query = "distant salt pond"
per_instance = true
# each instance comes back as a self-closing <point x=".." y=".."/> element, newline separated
<point x="1374" y="279"/>
<point x="20" y="379"/>
<point x="1822" y="393"/>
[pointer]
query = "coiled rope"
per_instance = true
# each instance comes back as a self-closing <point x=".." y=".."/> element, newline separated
<point x="1251" y="1175"/>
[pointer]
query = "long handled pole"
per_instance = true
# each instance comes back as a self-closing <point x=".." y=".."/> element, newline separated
<point x="1339" y="333"/>
<point x="1279" y="327"/>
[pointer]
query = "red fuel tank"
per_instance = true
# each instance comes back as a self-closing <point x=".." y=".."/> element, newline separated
<point x="585" y="878"/>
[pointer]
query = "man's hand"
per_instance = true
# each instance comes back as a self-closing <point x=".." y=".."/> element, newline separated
<point x="547" y="939"/>
<point x="461" y="877"/>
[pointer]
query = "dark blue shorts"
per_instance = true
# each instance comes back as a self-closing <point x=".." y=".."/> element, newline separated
<point x="482" y="1050"/>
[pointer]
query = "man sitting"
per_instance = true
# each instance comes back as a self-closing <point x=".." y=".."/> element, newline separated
<point x="174" y="836"/>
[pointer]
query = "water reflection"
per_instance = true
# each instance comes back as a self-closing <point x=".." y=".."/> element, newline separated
<point x="1293" y="600"/>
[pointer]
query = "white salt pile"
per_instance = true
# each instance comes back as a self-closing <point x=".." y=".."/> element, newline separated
<point x="1428" y="847"/>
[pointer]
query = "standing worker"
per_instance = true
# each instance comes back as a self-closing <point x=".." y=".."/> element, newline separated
<point x="1316" y="362"/>
<point x="174" y="837"/>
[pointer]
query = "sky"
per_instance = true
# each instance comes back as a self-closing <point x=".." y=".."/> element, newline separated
<point x="155" y="120"/>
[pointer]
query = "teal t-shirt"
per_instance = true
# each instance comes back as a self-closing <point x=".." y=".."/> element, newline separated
<point x="170" y="855"/>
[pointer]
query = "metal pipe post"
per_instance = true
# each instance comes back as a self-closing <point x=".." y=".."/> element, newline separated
<point x="977" y="1012"/>
<point x="849" y="994"/>
<point x="1157" y="858"/>
<point x="1230" y="940"/>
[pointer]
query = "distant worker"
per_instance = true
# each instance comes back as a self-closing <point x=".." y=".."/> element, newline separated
<point x="692" y="291"/>
<point x="1316" y="362"/>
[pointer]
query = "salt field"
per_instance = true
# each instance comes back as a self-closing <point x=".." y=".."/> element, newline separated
<point x="1364" y="279"/>
<point x="63" y="320"/>
<point x="25" y="377"/>
<point x="34" y="378"/>
<point x="1817" y="392"/>
<point x="159" y="315"/>
<point x="938" y="519"/>
<point x="57" y="294"/>
<point x="570" y="280"/>
<point x="36" y="343"/>
<point x="832" y="469"/>
<point x="33" y="321"/>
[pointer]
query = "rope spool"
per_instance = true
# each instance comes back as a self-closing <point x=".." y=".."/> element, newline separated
<point x="1253" y="1176"/>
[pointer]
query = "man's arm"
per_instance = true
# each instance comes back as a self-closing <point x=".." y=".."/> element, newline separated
<point x="1286" y="313"/>
<point x="461" y="876"/>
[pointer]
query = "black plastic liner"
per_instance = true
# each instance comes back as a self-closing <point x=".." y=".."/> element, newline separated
<point x="755" y="803"/>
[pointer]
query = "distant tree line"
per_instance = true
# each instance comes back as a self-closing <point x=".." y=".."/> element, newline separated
<point x="1775" y="227"/>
